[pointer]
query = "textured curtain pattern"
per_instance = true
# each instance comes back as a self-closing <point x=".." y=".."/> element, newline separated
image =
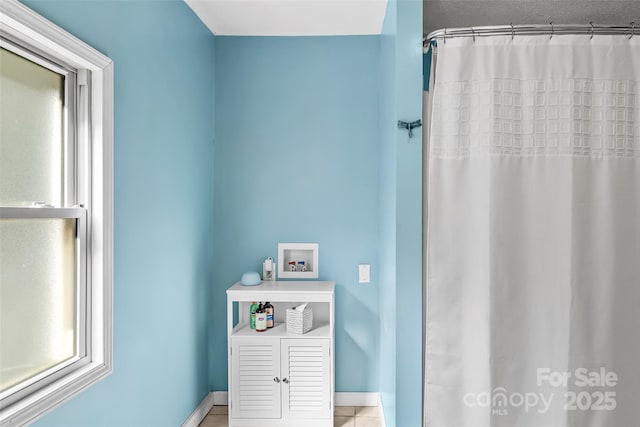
<point x="533" y="235"/>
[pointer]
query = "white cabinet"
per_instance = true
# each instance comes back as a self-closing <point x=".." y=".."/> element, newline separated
<point x="255" y="385"/>
<point x="306" y="393"/>
<point x="277" y="378"/>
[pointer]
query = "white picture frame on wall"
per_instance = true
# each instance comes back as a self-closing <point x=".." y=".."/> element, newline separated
<point x="304" y="257"/>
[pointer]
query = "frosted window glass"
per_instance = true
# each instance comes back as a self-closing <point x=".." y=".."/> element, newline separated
<point x="37" y="296"/>
<point x="32" y="132"/>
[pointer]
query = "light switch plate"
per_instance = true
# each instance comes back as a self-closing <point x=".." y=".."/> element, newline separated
<point x="364" y="273"/>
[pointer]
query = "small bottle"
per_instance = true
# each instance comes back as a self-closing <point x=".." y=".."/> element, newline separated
<point x="261" y="319"/>
<point x="252" y="316"/>
<point x="268" y="309"/>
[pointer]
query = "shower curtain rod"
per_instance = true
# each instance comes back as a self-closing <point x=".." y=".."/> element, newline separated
<point x="530" y="30"/>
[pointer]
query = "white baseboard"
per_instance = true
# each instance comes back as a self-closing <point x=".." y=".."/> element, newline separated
<point x="341" y="399"/>
<point x="383" y="421"/>
<point x="220" y="397"/>
<point x="200" y="412"/>
<point x="344" y="398"/>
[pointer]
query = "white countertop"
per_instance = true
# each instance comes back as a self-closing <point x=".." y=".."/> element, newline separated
<point x="287" y="290"/>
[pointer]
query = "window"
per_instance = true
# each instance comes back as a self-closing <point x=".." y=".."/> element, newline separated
<point x="56" y="101"/>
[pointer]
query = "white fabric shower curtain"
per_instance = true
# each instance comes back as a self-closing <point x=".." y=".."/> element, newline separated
<point x="533" y="233"/>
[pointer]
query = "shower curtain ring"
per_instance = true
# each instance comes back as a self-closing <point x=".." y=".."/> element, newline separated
<point x="473" y="34"/>
<point x="592" y="28"/>
<point x="551" y="36"/>
<point x="633" y="28"/>
<point x="445" y="36"/>
<point x="513" y="31"/>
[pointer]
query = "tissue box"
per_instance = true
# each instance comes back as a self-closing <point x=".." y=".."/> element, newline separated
<point x="299" y="321"/>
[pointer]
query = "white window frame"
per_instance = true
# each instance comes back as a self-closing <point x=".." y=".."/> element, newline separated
<point x="94" y="166"/>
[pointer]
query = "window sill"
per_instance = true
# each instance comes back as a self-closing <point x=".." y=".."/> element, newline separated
<point x="29" y="409"/>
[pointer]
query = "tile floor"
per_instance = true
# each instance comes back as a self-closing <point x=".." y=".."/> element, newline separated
<point x="344" y="416"/>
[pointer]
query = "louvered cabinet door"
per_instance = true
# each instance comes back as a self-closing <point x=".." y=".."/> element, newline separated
<point x="306" y="373"/>
<point x="255" y="380"/>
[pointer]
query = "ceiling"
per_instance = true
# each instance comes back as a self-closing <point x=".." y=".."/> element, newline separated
<point x="356" y="17"/>
<point x="291" y="17"/>
<point x="440" y="14"/>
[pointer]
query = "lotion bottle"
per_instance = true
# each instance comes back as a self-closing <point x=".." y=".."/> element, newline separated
<point x="261" y="319"/>
<point x="268" y="309"/>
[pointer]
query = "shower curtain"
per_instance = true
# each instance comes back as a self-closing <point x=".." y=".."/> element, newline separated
<point x="533" y="233"/>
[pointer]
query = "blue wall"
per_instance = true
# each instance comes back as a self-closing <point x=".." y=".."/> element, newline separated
<point x="409" y="215"/>
<point x="387" y="206"/>
<point x="164" y="60"/>
<point x="306" y="150"/>
<point x="401" y="215"/>
<point x="297" y="161"/>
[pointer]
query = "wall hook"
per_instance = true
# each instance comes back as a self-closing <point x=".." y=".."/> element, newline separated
<point x="409" y="126"/>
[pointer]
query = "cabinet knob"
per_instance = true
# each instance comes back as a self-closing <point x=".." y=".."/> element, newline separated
<point x="286" y="381"/>
<point x="276" y="379"/>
